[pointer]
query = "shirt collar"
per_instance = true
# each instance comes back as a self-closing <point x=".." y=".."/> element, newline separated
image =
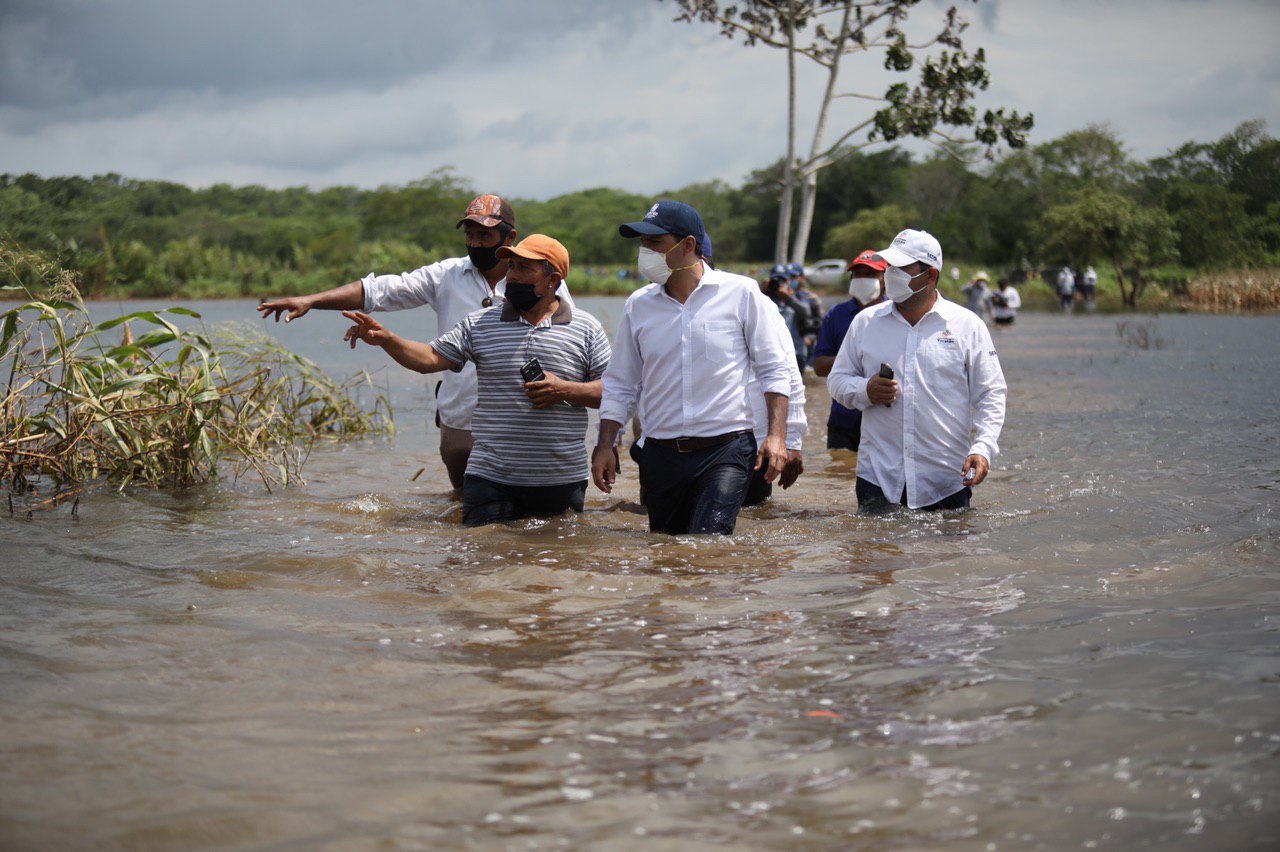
<point x="562" y="316"/>
<point x="941" y="306"/>
<point x="707" y="278"/>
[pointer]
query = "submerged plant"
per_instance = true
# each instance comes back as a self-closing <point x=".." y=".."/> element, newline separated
<point x="164" y="408"/>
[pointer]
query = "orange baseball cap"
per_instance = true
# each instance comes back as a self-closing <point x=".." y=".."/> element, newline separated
<point x="540" y="247"/>
<point x="490" y="211"/>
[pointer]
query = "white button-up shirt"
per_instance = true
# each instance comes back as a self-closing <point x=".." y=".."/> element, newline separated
<point x="951" y="397"/>
<point x="453" y="287"/>
<point x="685" y="367"/>
<point x="797" y="424"/>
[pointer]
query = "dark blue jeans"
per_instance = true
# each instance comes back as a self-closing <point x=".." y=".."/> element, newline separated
<point x="487" y="502"/>
<point x="871" y="499"/>
<point x="697" y="492"/>
<point x="844" y="438"/>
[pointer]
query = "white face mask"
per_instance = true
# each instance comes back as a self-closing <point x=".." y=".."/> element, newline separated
<point x="653" y="265"/>
<point x="897" y="283"/>
<point x="865" y="290"/>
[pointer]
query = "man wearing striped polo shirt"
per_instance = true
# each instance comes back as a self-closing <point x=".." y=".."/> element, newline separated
<point x="529" y="455"/>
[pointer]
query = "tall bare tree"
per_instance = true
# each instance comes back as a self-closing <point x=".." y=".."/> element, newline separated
<point x="937" y="107"/>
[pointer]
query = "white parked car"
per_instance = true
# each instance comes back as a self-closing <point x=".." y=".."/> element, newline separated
<point x="827" y="273"/>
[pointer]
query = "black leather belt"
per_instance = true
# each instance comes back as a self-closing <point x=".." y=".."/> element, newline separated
<point x="689" y="445"/>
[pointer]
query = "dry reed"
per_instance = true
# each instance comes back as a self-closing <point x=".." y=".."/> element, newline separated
<point x="1235" y="291"/>
<point x="163" y="408"/>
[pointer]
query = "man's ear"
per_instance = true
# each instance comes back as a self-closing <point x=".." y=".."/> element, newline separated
<point x="511" y="238"/>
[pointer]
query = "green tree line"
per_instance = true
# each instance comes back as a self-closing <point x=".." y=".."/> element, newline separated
<point x="1078" y="199"/>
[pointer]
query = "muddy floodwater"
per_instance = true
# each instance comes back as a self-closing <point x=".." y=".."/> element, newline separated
<point x="1090" y="658"/>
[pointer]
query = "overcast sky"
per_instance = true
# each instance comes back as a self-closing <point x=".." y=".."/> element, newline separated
<point x="536" y="98"/>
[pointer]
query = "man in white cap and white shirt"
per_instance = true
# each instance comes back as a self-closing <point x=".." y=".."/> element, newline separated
<point x="930" y="430"/>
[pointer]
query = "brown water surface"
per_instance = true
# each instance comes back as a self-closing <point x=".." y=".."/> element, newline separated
<point x="1088" y="659"/>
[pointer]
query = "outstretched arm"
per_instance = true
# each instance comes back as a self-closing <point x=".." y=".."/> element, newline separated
<point x="407" y="353"/>
<point x="348" y="297"/>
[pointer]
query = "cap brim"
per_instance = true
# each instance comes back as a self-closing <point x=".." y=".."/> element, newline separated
<point x="514" y="251"/>
<point x="507" y="252"/>
<point x="876" y="265"/>
<point x="896" y="257"/>
<point x="641" y="229"/>
<point x="486" y="221"/>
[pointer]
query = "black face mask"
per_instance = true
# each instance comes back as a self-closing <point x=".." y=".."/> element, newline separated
<point x="523" y="296"/>
<point x="484" y="257"/>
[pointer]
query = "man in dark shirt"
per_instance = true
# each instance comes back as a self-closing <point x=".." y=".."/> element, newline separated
<point x="866" y="287"/>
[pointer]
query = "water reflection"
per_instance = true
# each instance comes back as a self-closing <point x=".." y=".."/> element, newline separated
<point x="1084" y="659"/>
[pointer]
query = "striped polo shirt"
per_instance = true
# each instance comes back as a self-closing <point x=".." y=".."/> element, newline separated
<point x="513" y="442"/>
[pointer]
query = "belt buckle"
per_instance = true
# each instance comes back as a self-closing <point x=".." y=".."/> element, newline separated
<point x="680" y="447"/>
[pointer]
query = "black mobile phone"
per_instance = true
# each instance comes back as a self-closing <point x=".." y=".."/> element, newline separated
<point x="886" y="372"/>
<point x="531" y="370"/>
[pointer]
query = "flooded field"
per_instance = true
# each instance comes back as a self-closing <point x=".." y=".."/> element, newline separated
<point x="1087" y="659"/>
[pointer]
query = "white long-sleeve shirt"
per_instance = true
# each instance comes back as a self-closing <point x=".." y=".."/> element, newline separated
<point x="951" y="397"/>
<point x="454" y="288"/>
<point x="797" y="424"/>
<point x="685" y="367"/>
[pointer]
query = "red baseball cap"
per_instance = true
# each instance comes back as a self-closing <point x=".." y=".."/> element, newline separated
<point x="870" y="259"/>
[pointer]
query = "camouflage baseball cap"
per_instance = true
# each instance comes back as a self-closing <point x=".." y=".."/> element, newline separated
<point x="490" y="211"/>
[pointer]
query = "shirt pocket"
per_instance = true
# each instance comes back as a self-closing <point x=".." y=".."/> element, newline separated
<point x="723" y="341"/>
<point x="944" y="360"/>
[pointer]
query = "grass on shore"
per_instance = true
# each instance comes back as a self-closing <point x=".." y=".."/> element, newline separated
<point x="1173" y="287"/>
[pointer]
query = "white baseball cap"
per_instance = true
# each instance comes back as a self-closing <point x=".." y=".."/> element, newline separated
<point x="912" y="246"/>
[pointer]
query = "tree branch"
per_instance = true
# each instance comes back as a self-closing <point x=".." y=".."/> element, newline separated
<point x="834" y="145"/>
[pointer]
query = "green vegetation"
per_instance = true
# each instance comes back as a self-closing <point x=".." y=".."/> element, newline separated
<point x="162" y="408"/>
<point x="1148" y="227"/>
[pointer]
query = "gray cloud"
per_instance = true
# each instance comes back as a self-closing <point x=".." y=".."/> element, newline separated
<point x="541" y="98"/>
<point x="64" y="51"/>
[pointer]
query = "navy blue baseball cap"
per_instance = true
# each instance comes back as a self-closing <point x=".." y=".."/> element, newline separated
<point x="795" y="270"/>
<point x="779" y="272"/>
<point x="706" y="245"/>
<point x="667" y="217"/>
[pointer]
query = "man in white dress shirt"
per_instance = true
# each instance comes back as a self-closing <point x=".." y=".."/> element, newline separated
<point x="929" y="434"/>
<point x="685" y="351"/>
<point x="454" y="288"/>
